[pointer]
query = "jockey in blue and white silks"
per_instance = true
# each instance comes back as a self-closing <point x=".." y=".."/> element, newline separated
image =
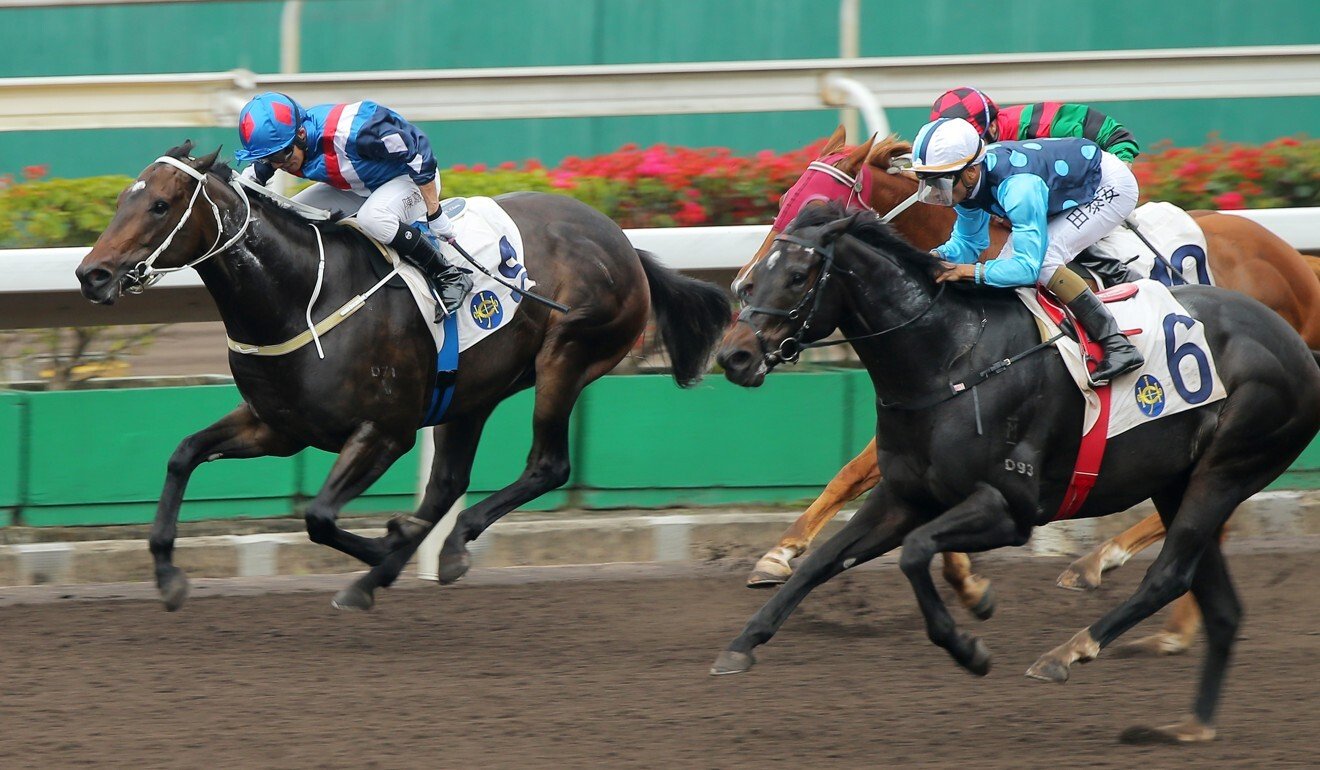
<point x="1059" y="195"/>
<point x="366" y="160"/>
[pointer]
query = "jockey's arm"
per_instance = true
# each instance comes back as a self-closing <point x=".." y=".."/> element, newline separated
<point x="1079" y="120"/>
<point x="970" y="236"/>
<point x="387" y="136"/>
<point x="1025" y="198"/>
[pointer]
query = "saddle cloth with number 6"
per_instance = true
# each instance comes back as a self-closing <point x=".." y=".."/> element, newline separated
<point x="1179" y="373"/>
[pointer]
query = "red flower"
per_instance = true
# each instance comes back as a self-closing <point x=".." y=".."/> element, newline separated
<point x="33" y="173"/>
<point x="1230" y="200"/>
<point x="690" y="214"/>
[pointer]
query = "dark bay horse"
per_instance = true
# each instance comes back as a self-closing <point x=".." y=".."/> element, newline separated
<point x="1242" y="255"/>
<point x="947" y="487"/>
<point x="367" y="398"/>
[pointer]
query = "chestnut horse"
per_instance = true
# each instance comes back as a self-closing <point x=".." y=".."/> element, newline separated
<point x="1242" y="254"/>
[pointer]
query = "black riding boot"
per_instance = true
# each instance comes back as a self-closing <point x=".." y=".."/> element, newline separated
<point x="1119" y="354"/>
<point x="1110" y="270"/>
<point x="451" y="283"/>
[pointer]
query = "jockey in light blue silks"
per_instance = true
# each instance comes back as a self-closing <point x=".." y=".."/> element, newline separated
<point x="1059" y="195"/>
<point x="368" y="161"/>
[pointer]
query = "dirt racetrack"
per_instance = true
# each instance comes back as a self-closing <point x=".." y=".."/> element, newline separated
<point x="612" y="673"/>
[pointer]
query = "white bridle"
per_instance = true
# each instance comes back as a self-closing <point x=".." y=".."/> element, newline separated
<point x="145" y="273"/>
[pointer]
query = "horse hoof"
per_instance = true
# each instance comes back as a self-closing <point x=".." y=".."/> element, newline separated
<point x="174" y="589"/>
<point x="759" y="579"/>
<point x="979" y="663"/>
<point x="353" y="598"/>
<point x="1080" y="576"/>
<point x="1048" y="670"/>
<point x="1190" y="730"/>
<point x="453" y="568"/>
<point x="1163" y="643"/>
<point x="732" y="662"/>
<point x="985" y="608"/>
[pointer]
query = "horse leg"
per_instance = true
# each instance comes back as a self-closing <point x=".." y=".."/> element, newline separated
<point x="860" y="474"/>
<point x="974" y="592"/>
<point x="451" y="471"/>
<point x="1178" y="633"/>
<point x="1204" y="507"/>
<point x="367" y="454"/>
<point x="1084" y="574"/>
<point x="561" y="374"/>
<point x="877" y="527"/>
<point x="1223" y="613"/>
<point x="239" y="434"/>
<point x="980" y="522"/>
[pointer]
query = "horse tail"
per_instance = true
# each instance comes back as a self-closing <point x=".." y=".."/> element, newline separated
<point x="691" y="316"/>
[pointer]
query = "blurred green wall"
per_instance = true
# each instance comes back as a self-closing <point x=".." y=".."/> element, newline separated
<point x="344" y="35"/>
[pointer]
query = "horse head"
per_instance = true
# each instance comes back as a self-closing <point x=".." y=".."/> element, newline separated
<point x="852" y="178"/>
<point x="785" y="298"/>
<point x="801" y="292"/>
<point x="153" y="229"/>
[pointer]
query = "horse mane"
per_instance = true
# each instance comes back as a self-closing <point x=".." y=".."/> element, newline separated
<point x="869" y="228"/>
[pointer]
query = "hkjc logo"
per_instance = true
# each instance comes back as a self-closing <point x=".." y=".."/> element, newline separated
<point x="1150" y="396"/>
<point x="486" y="310"/>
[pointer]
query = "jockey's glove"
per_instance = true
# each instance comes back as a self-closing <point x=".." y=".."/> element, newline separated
<point x="441" y="225"/>
<point x="259" y="172"/>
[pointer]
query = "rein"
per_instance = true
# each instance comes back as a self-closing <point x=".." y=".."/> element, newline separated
<point x="790" y="349"/>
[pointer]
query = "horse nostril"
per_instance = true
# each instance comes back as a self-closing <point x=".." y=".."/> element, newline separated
<point x="736" y="359"/>
<point x="97" y="277"/>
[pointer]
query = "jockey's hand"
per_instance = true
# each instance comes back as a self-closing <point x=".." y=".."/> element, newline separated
<point x="954" y="272"/>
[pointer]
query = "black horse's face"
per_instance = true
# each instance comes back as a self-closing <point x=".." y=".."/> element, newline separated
<point x="780" y="282"/>
<point x="147" y="211"/>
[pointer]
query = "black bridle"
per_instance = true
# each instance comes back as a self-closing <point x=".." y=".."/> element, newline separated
<point x="790" y="348"/>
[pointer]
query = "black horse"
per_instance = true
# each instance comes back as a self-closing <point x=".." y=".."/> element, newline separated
<point x="367" y="398"/>
<point x="980" y="470"/>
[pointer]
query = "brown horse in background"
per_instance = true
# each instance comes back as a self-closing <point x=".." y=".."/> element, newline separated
<point x="1243" y="256"/>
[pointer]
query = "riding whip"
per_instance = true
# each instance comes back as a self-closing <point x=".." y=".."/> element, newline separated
<point x="529" y="294"/>
<point x="1131" y="224"/>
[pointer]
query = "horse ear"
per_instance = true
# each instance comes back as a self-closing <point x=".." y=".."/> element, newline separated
<point x="886" y="152"/>
<point x="205" y="162"/>
<point x="836" y="141"/>
<point x="856" y="158"/>
<point x="831" y="231"/>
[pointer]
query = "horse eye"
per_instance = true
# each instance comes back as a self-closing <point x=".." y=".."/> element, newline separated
<point x="797" y="279"/>
<point x="160" y="207"/>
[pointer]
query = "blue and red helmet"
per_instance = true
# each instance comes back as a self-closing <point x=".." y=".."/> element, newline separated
<point x="267" y="124"/>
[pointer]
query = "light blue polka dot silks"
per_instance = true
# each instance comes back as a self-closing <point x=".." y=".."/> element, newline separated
<point x="990" y="160"/>
<point x="1032" y="146"/>
<point x="1070" y="203"/>
<point x="1017" y="159"/>
<point x="1088" y="151"/>
<point x="1061" y="167"/>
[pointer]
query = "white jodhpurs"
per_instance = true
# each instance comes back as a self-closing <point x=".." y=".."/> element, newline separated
<point x="1073" y="231"/>
<point x="380" y="214"/>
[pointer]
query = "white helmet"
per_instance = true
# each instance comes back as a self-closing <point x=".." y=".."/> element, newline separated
<point x="946" y="144"/>
<point x="943" y="149"/>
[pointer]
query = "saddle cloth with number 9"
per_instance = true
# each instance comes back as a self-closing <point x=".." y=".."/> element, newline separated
<point x="1179" y="373"/>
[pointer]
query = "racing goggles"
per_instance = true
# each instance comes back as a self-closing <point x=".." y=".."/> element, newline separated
<point x="937" y="189"/>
